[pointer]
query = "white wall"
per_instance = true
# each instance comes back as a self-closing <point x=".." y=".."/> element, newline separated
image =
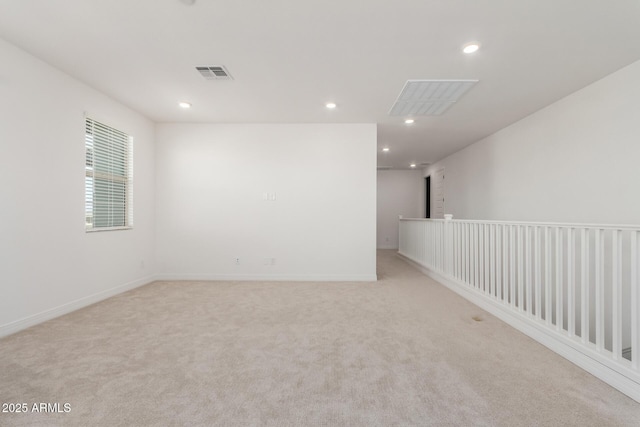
<point x="211" y="180"/>
<point x="577" y="160"/>
<point x="49" y="264"/>
<point x="400" y="192"/>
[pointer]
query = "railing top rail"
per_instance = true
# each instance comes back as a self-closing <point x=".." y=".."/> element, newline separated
<point x="538" y="224"/>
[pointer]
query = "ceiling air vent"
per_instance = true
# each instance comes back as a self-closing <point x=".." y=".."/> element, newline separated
<point x="429" y="97"/>
<point x="214" y="72"/>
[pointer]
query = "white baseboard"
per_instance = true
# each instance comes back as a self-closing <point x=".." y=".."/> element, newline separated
<point x="27" y="322"/>
<point x="270" y="277"/>
<point x="388" y="247"/>
<point x="619" y="378"/>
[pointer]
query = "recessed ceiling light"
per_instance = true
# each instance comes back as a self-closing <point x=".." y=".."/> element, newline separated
<point x="413" y="165"/>
<point x="184" y="105"/>
<point x="330" y="105"/>
<point x="409" y="121"/>
<point x="471" y="47"/>
<point x="385" y="149"/>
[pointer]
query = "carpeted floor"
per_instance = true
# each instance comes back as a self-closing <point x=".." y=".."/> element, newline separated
<point x="403" y="351"/>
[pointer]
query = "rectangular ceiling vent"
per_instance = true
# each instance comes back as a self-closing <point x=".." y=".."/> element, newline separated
<point x="214" y="72"/>
<point x="429" y="97"/>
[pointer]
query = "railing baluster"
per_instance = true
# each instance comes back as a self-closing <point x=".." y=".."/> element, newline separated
<point x="599" y="271"/>
<point x="547" y="277"/>
<point x="441" y="252"/>
<point x="453" y="264"/>
<point x="434" y="245"/>
<point x="427" y="243"/>
<point x="464" y="253"/>
<point x="476" y="258"/>
<point x="444" y="261"/>
<point x="498" y="258"/>
<point x="492" y="260"/>
<point x="520" y="270"/>
<point x="407" y="233"/>
<point x="448" y="246"/>
<point x="465" y="257"/>
<point x="432" y="249"/>
<point x="571" y="282"/>
<point x="537" y="272"/>
<point x="512" y="267"/>
<point x="429" y="246"/>
<point x="442" y="249"/>
<point x="421" y="245"/>
<point x="436" y="250"/>
<point x="482" y="255"/>
<point x="584" y="286"/>
<point x="414" y="244"/>
<point x="487" y="259"/>
<point x="635" y="302"/>
<point x="505" y="264"/>
<point x="528" y="258"/>
<point x="559" y="282"/>
<point x="457" y="250"/>
<point x="469" y="257"/>
<point x="469" y="253"/>
<point x="616" y="294"/>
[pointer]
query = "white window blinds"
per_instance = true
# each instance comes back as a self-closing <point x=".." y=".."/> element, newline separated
<point x="108" y="177"/>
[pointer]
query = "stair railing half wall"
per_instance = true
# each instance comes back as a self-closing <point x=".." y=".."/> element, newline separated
<point x="572" y="287"/>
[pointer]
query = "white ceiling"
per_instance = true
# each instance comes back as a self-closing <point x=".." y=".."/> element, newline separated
<point x="289" y="57"/>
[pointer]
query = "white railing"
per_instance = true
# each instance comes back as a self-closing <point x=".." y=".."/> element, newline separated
<point x="575" y="283"/>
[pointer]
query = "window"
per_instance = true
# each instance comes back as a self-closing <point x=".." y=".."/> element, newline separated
<point x="108" y="177"/>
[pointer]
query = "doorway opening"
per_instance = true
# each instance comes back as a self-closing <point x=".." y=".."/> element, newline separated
<point x="427" y="197"/>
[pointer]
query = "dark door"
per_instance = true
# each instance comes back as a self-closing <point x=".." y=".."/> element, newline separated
<point x="427" y="197"/>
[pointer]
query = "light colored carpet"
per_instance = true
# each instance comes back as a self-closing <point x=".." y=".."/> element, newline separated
<point x="403" y="351"/>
